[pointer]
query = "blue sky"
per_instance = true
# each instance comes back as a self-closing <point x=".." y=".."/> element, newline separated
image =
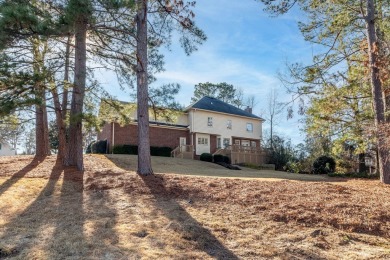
<point x="245" y="47"/>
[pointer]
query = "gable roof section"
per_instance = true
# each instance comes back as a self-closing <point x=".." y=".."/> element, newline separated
<point x="216" y="105"/>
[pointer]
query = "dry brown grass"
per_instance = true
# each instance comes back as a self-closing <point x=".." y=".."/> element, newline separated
<point x="198" y="168"/>
<point x="50" y="212"/>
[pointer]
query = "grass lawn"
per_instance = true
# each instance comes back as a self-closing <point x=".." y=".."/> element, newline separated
<point x="199" y="168"/>
<point x="109" y="212"/>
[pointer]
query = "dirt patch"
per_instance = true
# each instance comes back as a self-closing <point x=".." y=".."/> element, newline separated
<point x="48" y="211"/>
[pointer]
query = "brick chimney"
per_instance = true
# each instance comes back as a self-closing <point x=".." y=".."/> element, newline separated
<point x="248" y="109"/>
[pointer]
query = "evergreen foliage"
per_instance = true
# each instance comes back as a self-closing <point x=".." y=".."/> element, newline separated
<point x="99" y="147"/>
<point x="218" y="158"/>
<point x="222" y="91"/>
<point x="324" y="165"/>
<point x="207" y="157"/>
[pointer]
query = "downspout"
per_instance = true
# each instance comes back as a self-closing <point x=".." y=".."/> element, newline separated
<point x="192" y="132"/>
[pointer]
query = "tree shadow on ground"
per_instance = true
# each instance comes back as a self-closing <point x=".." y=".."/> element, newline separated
<point x="189" y="227"/>
<point x="67" y="240"/>
<point x="52" y="226"/>
<point x="21" y="232"/>
<point x="20" y="174"/>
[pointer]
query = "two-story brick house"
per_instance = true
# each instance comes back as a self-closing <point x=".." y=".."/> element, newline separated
<point x="207" y="126"/>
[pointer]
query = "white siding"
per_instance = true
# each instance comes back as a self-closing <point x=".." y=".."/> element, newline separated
<point x="198" y="121"/>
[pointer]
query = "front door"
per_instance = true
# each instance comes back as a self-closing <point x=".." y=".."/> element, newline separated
<point x="202" y="144"/>
<point x="183" y="143"/>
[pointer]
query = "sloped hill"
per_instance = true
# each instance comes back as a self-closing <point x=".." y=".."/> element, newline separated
<point x="199" y="168"/>
<point x="52" y="212"/>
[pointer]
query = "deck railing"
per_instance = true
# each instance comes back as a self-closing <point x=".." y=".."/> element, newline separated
<point x="183" y="151"/>
<point x="243" y="154"/>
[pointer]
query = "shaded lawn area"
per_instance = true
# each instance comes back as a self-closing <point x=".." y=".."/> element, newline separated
<point x="51" y="212"/>
<point x="200" y="168"/>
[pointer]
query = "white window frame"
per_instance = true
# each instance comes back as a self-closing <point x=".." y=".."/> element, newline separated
<point x="245" y="143"/>
<point x="226" y="144"/>
<point x="229" y="124"/>
<point x="209" y="121"/>
<point x="253" y="144"/>
<point x="203" y="141"/>
<point x="249" y="127"/>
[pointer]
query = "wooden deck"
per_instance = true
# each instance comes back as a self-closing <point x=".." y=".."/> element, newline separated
<point x="243" y="154"/>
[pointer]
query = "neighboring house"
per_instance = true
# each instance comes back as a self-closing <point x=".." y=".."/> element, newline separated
<point x="207" y="126"/>
<point x="6" y="150"/>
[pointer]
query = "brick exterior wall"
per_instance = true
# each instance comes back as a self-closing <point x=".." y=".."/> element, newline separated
<point x="159" y="136"/>
<point x="106" y="133"/>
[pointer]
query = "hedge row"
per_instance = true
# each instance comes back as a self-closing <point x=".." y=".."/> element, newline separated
<point x="217" y="158"/>
<point x="133" y="149"/>
<point x="97" y="147"/>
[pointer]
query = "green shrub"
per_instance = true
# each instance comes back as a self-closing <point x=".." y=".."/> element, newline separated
<point x="218" y="158"/>
<point x="125" y="149"/>
<point x="226" y="159"/>
<point x="99" y="147"/>
<point x="295" y="167"/>
<point x="160" y="151"/>
<point x="89" y="147"/>
<point x="324" y="165"/>
<point x="207" y="157"/>
<point x="133" y="149"/>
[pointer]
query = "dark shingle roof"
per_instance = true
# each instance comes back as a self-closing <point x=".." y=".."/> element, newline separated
<point x="213" y="104"/>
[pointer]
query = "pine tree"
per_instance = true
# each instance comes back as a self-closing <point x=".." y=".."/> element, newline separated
<point x="342" y="27"/>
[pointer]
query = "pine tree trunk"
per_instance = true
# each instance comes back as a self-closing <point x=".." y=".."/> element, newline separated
<point x="378" y="99"/>
<point x="60" y="121"/>
<point x="61" y="108"/>
<point x="42" y="147"/>
<point x="144" y="161"/>
<point x="63" y="151"/>
<point x="75" y="144"/>
<point x="41" y="125"/>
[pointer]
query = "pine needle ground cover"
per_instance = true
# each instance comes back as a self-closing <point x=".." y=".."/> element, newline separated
<point x="108" y="212"/>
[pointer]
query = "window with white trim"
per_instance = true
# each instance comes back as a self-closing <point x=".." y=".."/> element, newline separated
<point x="229" y="124"/>
<point x="226" y="142"/>
<point x="210" y="121"/>
<point x="253" y="143"/>
<point x="202" y="140"/>
<point x="249" y="127"/>
<point x="245" y="143"/>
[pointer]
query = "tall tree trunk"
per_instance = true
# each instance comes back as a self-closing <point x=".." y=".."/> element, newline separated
<point x="60" y="121"/>
<point x="61" y="108"/>
<point x="377" y="93"/>
<point x="144" y="161"/>
<point x="75" y="144"/>
<point x="42" y="147"/>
